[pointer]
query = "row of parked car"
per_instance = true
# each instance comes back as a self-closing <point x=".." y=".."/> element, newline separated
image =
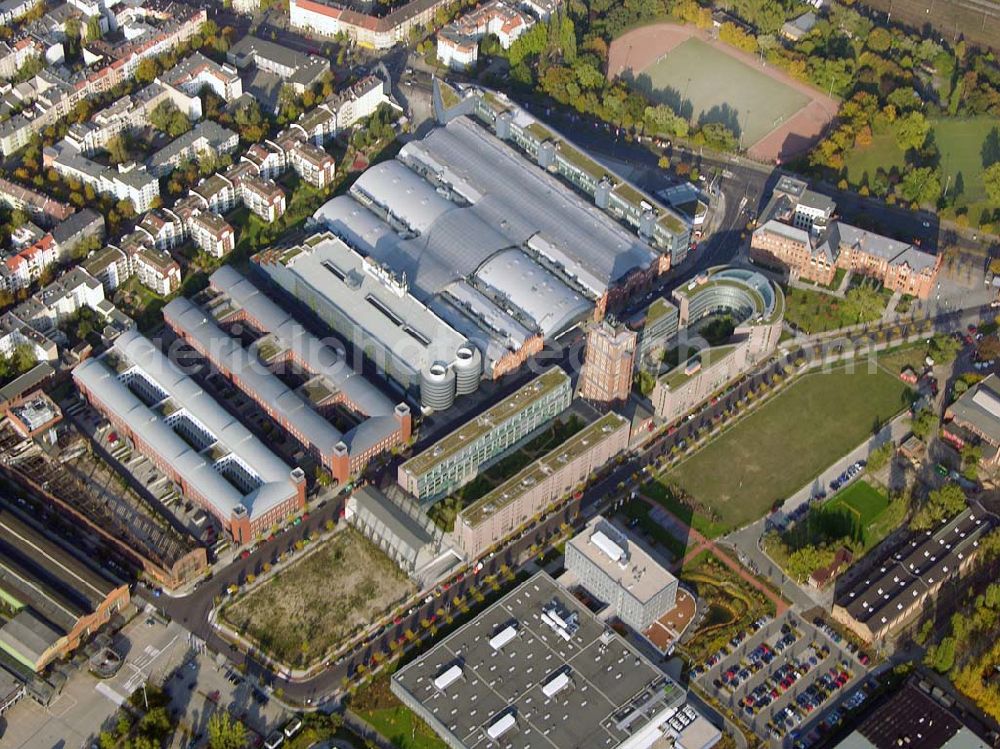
<point x="822" y="688"/>
<point x="845" y="478"/>
<point x="734" y="642"/>
<point x="838" y="638"/>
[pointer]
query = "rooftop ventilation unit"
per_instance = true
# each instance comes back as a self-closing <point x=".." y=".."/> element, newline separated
<point x="448" y="678"/>
<point x="500" y="726"/>
<point x="556" y="684"/>
<point x="612" y="549"/>
<point x="504" y="636"/>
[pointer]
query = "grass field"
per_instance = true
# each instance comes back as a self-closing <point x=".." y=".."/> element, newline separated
<point x="776" y="450"/>
<point x="306" y="609"/>
<point x="964" y="150"/>
<point x="961" y="143"/>
<point x="705" y="85"/>
<point x="865" y="504"/>
<point x="391" y="718"/>
<point x="883" y="152"/>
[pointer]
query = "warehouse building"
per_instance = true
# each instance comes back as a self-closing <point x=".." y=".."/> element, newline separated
<point x="505" y="253"/>
<point x="551" y="478"/>
<point x="538" y="668"/>
<point x="457" y="458"/>
<point x="974" y="419"/>
<point x="212" y="457"/>
<point x="616" y="570"/>
<point x="300" y="411"/>
<point x="894" y="592"/>
<point x="52" y="600"/>
<point x="371" y="307"/>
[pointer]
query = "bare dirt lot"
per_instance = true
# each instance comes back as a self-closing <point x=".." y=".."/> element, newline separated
<point x="660" y="57"/>
<point x="303" y="611"/>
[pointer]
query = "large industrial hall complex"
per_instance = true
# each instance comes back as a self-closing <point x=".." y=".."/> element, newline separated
<point x="459" y="257"/>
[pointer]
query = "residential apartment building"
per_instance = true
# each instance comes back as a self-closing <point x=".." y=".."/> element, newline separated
<point x="111" y="266"/>
<point x="163" y="228"/>
<point x="608" y="364"/>
<point x="16" y="53"/>
<point x="217" y="194"/>
<point x="530" y="492"/>
<point x="57" y="93"/>
<point x="615" y="569"/>
<point x="195" y="72"/>
<point x="314" y="165"/>
<point x="344" y="109"/>
<point x="127" y="182"/>
<point x="262" y="196"/>
<point x="213" y="458"/>
<point x="365" y="30"/>
<point x="212" y="233"/>
<point x="798" y="234"/>
<point x="22" y="268"/>
<point x="458" y="42"/>
<point x="157" y="271"/>
<point x="40" y="207"/>
<point x="206" y="139"/>
<point x="299" y="70"/>
<point x="456" y="459"/>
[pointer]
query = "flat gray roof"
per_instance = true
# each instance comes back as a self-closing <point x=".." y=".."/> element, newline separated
<point x="642" y="575"/>
<point x="231" y="441"/>
<point x="607" y="682"/>
<point x="331" y="270"/>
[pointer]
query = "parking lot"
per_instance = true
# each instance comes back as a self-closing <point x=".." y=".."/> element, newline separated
<point x="781" y="678"/>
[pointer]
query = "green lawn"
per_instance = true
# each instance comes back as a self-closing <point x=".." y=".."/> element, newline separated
<point x="883" y="152"/>
<point x="391" y="718"/>
<point x="816" y="312"/>
<point x="722" y="89"/>
<point x="780" y="447"/>
<point x="960" y="142"/>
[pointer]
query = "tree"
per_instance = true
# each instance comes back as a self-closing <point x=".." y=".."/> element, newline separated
<point x="911" y="131"/>
<point x="941" y="504"/>
<point x="879" y="40"/>
<point x="923" y="424"/>
<point x="225" y="732"/>
<point x="921" y="185"/>
<point x="878" y="457"/>
<point x="117" y="148"/>
<point x="146" y="70"/>
<point x="943" y="348"/>
<point x="991" y="179"/>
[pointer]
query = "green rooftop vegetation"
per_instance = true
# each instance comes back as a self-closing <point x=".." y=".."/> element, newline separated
<point x="539" y="131"/>
<point x="631" y="195"/>
<point x="515" y="486"/>
<point x="495" y="104"/>
<point x="449" y="96"/>
<point x="486" y="422"/>
<point x="581" y="162"/>
<point x="671" y="223"/>
<point x="679" y="375"/>
<point x="659" y="308"/>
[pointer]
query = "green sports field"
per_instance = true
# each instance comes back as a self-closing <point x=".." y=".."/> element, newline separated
<point x="787" y="442"/>
<point x="865" y="505"/>
<point x="719" y="88"/>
